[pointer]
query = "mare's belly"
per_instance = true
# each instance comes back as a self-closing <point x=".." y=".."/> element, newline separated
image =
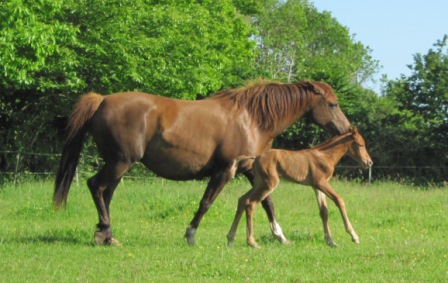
<point x="179" y="164"/>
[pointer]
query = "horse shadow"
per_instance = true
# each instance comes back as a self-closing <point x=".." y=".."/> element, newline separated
<point x="50" y="238"/>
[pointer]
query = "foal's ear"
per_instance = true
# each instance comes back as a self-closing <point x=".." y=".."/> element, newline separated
<point x="315" y="87"/>
<point x="352" y="130"/>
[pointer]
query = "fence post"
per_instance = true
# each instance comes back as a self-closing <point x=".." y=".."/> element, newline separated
<point x="77" y="176"/>
<point x="370" y="174"/>
<point x="17" y="168"/>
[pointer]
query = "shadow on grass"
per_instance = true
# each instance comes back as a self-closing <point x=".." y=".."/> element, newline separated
<point x="53" y="237"/>
<point x="294" y="237"/>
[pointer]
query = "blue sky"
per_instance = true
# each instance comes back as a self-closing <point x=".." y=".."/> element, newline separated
<point x="395" y="30"/>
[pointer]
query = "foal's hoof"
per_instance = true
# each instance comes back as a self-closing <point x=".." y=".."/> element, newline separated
<point x="114" y="242"/>
<point x="101" y="240"/>
<point x="254" y="245"/>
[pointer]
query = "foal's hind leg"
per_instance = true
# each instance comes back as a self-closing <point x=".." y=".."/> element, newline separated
<point x="102" y="187"/>
<point x="268" y="206"/>
<point x="239" y="212"/>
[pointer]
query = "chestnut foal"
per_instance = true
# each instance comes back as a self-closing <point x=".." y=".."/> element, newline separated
<point x="312" y="167"/>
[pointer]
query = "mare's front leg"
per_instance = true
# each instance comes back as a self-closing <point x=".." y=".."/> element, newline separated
<point x="268" y="206"/>
<point x="214" y="187"/>
<point x="339" y="201"/>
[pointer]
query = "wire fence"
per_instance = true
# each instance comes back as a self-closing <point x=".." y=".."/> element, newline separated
<point x="20" y="170"/>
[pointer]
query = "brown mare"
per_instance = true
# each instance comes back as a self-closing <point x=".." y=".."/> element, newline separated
<point x="312" y="167"/>
<point x="184" y="140"/>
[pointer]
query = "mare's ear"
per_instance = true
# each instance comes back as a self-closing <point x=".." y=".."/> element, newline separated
<point x="314" y="87"/>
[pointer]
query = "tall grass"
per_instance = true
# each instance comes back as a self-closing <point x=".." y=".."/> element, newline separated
<point x="403" y="233"/>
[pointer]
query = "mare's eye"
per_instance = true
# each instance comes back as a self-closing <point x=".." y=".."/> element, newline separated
<point x="333" y="105"/>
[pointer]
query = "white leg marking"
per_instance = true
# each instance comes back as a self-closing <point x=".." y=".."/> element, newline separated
<point x="278" y="232"/>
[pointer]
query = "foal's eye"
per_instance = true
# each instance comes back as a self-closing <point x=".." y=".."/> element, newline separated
<point x="333" y="105"/>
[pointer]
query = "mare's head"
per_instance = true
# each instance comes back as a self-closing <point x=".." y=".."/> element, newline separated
<point x="325" y="110"/>
<point x="358" y="150"/>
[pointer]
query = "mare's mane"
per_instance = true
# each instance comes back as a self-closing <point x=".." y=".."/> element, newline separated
<point x="268" y="101"/>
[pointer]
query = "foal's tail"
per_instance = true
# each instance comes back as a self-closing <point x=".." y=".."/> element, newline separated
<point x="77" y="128"/>
<point x="244" y="163"/>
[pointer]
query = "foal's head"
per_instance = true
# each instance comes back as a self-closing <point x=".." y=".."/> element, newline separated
<point x="358" y="150"/>
<point x="325" y="110"/>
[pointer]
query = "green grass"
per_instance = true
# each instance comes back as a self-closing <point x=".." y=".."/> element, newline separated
<point x="403" y="233"/>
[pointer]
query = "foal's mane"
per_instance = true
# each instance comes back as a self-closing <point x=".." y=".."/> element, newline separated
<point x="338" y="139"/>
<point x="268" y="101"/>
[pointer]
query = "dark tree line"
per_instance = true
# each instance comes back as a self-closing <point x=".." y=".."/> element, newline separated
<point x="53" y="51"/>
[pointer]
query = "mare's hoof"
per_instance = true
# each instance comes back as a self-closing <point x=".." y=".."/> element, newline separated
<point x="189" y="235"/>
<point x="100" y="240"/>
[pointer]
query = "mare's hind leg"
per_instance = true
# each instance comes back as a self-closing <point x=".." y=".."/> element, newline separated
<point x="268" y="206"/>
<point x="102" y="187"/>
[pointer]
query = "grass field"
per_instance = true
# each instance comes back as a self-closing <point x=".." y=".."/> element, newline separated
<point x="403" y="233"/>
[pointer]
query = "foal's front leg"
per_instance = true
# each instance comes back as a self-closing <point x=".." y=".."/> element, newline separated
<point x="339" y="201"/>
<point x="323" y="209"/>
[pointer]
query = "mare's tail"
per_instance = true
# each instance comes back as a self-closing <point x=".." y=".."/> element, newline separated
<point x="77" y="128"/>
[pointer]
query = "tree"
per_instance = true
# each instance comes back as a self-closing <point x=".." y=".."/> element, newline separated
<point x="422" y="102"/>
<point x="52" y="51"/>
<point x="39" y="68"/>
<point x="297" y="42"/>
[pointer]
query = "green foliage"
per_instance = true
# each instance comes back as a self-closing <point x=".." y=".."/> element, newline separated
<point x="37" y="49"/>
<point x="418" y="111"/>
<point x="401" y="241"/>
<point x="297" y="42"/>
<point x="52" y="51"/>
<point x="39" y="68"/>
<point x="172" y="48"/>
